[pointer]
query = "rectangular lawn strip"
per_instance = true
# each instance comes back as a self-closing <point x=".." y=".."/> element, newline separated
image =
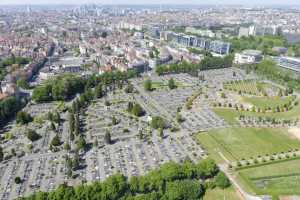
<point x="282" y="168"/>
<point x="248" y="87"/>
<point x="238" y="143"/>
<point x="264" y="102"/>
<point x="275" y="179"/>
<point x="219" y="194"/>
<point x="230" y="115"/>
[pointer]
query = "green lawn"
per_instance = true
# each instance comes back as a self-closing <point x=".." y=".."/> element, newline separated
<point x="248" y="87"/>
<point x="219" y="194"/>
<point x="265" y="102"/>
<point x="230" y="115"/>
<point x="238" y="143"/>
<point x="258" y="178"/>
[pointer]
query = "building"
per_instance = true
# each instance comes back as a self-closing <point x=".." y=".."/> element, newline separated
<point x="159" y="61"/>
<point x="200" y="32"/>
<point x="219" y="47"/>
<point x="248" y="57"/>
<point x="280" y="50"/>
<point x="266" y="30"/>
<point x="257" y="30"/>
<point x="215" y="46"/>
<point x="154" y="32"/>
<point x="288" y="63"/>
<point x="139" y="66"/>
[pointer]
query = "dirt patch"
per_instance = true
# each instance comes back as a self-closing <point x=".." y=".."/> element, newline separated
<point x="294" y="132"/>
<point x="289" y="198"/>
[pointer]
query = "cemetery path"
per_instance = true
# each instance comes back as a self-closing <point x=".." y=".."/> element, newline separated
<point x="232" y="178"/>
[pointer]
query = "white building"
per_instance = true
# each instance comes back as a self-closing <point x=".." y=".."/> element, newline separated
<point x="248" y="57"/>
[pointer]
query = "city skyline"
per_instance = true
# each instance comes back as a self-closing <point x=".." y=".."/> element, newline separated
<point x="149" y="100"/>
<point x="138" y="2"/>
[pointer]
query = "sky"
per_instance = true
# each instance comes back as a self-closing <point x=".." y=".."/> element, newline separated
<point x="241" y="2"/>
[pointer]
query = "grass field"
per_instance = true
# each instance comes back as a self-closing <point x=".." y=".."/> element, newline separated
<point x="239" y="143"/>
<point x="251" y="87"/>
<point x="248" y="87"/>
<point x="219" y="194"/>
<point x="231" y="115"/>
<point x="265" y="102"/>
<point x="285" y="180"/>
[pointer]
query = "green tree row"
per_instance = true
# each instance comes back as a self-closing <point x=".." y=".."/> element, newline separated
<point x="8" y="108"/>
<point x="205" y="64"/>
<point x="66" y="86"/>
<point x="172" y="181"/>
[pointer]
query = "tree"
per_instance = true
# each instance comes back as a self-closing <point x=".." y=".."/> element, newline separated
<point x="206" y="168"/>
<point x="171" y="84"/>
<point x="129" y="88"/>
<point x="18" y="180"/>
<point x="114" y="120"/>
<point x="81" y="143"/>
<point x="56" y="117"/>
<point x="52" y="126"/>
<point x="71" y="122"/>
<point x="76" y="125"/>
<point x="161" y="132"/>
<point x="222" y="181"/>
<point x="223" y="95"/>
<point x="129" y="107"/>
<point x="107" y="137"/>
<point x="184" y="190"/>
<point x="96" y="143"/>
<point x="99" y="91"/>
<point x="42" y="93"/>
<point x="22" y="83"/>
<point x="56" y="141"/>
<point x="151" y="54"/>
<point x="72" y="136"/>
<point x="148" y="85"/>
<point x="23" y="118"/>
<point x="9" y="107"/>
<point x="179" y="118"/>
<point x="158" y="122"/>
<point x="76" y="161"/>
<point x="1" y="154"/>
<point x="67" y="146"/>
<point x="104" y="34"/>
<point x="137" y="110"/>
<point x="32" y="135"/>
<point x="107" y="103"/>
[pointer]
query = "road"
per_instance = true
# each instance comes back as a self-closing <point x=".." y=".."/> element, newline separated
<point x="224" y="167"/>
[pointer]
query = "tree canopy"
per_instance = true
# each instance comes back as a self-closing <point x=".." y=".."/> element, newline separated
<point x="171" y="181"/>
<point x="205" y="64"/>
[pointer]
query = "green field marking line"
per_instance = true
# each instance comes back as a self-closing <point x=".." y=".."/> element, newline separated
<point x="246" y="182"/>
<point x="274" y="177"/>
<point x="266" y="163"/>
<point x="223" y="146"/>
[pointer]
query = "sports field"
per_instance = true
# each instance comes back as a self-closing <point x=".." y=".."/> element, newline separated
<point x="274" y="179"/>
<point x="238" y="143"/>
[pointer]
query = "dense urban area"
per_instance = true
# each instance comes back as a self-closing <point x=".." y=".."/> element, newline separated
<point x="155" y="102"/>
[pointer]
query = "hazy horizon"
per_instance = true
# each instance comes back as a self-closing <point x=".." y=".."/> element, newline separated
<point x="146" y="2"/>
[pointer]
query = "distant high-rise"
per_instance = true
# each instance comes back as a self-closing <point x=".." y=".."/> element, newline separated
<point x="28" y="9"/>
<point x="257" y="30"/>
